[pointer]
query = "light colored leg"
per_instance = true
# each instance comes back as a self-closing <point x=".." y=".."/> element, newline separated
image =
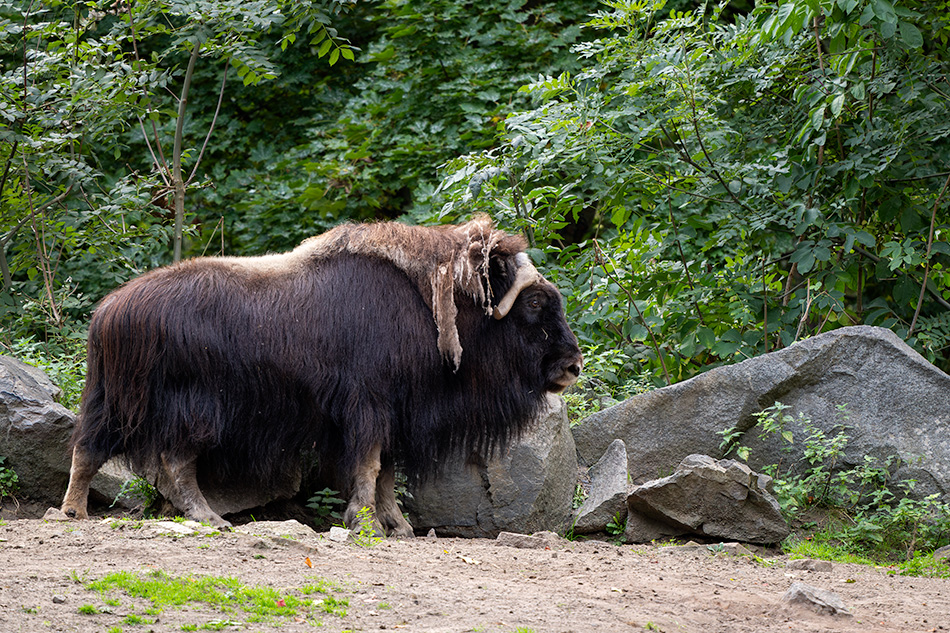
<point x="179" y="483"/>
<point x="363" y="491"/>
<point x="83" y="468"/>
<point x="387" y="510"/>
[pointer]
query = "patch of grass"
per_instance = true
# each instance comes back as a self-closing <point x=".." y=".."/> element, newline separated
<point x="335" y="606"/>
<point x="137" y="620"/>
<point x="88" y="609"/>
<point x="924" y="565"/>
<point x="227" y="594"/>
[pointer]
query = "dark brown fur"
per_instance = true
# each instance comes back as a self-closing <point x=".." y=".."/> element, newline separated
<point x="225" y="370"/>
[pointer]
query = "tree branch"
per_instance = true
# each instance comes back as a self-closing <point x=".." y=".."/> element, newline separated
<point x="930" y="243"/>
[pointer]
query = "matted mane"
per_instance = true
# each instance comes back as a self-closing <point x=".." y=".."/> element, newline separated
<point x="440" y="262"/>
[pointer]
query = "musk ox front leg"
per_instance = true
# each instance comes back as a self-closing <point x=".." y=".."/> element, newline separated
<point x="84" y="467"/>
<point x="387" y="510"/>
<point x="363" y="492"/>
<point x="178" y="481"/>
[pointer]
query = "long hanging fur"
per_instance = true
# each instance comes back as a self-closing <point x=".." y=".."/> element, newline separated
<point x="338" y="345"/>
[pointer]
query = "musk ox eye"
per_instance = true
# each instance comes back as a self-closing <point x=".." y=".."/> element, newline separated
<point x="534" y="304"/>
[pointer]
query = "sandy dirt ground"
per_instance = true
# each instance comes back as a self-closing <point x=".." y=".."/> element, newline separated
<point x="436" y="584"/>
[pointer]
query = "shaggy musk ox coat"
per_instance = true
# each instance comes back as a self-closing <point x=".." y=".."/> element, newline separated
<point x="367" y="346"/>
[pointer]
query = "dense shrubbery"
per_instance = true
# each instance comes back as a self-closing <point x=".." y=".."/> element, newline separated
<point x="747" y="180"/>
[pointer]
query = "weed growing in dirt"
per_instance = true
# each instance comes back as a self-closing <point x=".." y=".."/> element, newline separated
<point x="867" y="516"/>
<point x="326" y="504"/>
<point x="366" y="535"/>
<point x="88" y="609"/>
<point x="258" y="603"/>
<point x="617" y="525"/>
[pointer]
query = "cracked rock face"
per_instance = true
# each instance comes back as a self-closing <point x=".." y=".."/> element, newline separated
<point x="721" y="499"/>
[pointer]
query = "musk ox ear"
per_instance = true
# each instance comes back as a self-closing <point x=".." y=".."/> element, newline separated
<point x="525" y="275"/>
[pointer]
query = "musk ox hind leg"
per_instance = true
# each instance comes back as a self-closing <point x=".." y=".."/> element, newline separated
<point x="84" y="467"/>
<point x="387" y="510"/>
<point x="178" y="481"/>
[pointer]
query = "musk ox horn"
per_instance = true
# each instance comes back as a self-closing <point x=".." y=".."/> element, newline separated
<point x="527" y="274"/>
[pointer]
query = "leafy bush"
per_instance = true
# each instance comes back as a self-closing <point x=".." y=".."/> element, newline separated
<point x="865" y="511"/>
<point x="740" y="180"/>
<point x="62" y="358"/>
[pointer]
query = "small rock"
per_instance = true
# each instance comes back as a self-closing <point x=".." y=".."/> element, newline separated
<point x="172" y="527"/>
<point x="943" y="553"/>
<point x="522" y="541"/>
<point x="809" y="564"/>
<point x="339" y="535"/>
<point x="733" y="549"/>
<point x="824" y="602"/>
<point x="59" y="599"/>
<point x="431" y="533"/>
<point x="55" y="514"/>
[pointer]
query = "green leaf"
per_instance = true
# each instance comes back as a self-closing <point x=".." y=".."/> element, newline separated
<point x="837" y="104"/>
<point x="910" y="35"/>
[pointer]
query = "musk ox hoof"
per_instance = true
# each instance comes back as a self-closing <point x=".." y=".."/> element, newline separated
<point x="401" y="534"/>
<point x="74" y="513"/>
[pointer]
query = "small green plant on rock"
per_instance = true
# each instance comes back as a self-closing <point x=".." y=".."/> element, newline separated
<point x="9" y="481"/>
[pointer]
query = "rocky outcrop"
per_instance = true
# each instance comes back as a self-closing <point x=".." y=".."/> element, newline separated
<point x="717" y="499"/>
<point x="526" y="490"/>
<point x="34" y="431"/>
<point x="897" y="404"/>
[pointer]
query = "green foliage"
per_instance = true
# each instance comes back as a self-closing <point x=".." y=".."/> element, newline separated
<point x="9" y="481"/>
<point x="140" y="489"/>
<point x="749" y="179"/>
<point x="925" y="565"/>
<point x="326" y="504"/>
<point x="62" y="358"/>
<point x="869" y="513"/>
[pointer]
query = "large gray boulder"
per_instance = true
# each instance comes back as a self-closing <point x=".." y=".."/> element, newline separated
<point x="528" y="489"/>
<point x="34" y="438"/>
<point x="34" y="431"/>
<point x="898" y="404"/>
<point x="719" y="499"/>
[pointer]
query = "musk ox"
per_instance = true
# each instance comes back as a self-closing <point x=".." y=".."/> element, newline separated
<point x="369" y="346"/>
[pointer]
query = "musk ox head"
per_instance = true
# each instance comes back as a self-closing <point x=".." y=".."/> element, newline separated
<point x="535" y="309"/>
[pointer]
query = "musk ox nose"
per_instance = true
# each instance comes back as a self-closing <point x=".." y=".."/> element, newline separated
<point x="574" y="369"/>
